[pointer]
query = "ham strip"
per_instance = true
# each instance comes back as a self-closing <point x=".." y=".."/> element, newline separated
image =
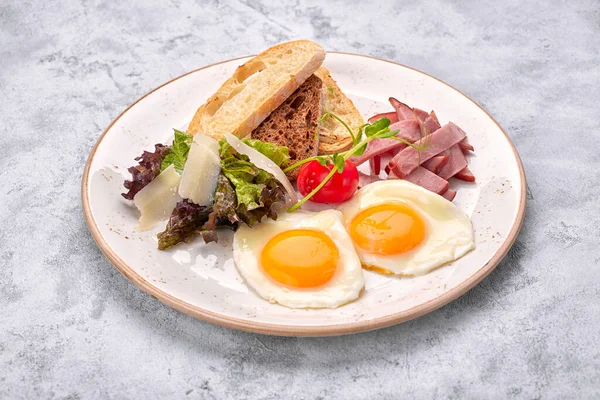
<point x="441" y="140"/>
<point x="427" y="180"/>
<point x="434" y="116"/>
<point x="395" y="151"/>
<point x="375" y="165"/>
<point x="403" y="111"/>
<point x="449" y="194"/>
<point x="392" y="116"/>
<point x="409" y="131"/>
<point x="431" y="125"/>
<point x="435" y="164"/>
<point x="430" y="120"/>
<point x="377" y="147"/>
<point x="364" y="179"/>
<point x="420" y="114"/>
<point x="466" y="175"/>
<point x="465" y="145"/>
<point x="455" y="164"/>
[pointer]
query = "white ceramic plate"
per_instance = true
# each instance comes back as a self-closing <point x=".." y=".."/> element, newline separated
<point x="201" y="280"/>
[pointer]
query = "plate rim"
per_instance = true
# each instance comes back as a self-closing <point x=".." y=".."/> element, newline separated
<point x="301" y="330"/>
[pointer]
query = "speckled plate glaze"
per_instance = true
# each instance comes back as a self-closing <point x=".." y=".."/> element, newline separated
<point x="201" y="280"/>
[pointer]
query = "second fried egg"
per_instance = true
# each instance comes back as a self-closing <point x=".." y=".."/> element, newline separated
<point x="399" y="228"/>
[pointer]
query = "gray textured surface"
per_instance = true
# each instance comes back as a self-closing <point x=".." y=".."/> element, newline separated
<point x="72" y="327"/>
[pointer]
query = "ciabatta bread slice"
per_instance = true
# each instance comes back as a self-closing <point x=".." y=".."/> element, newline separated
<point x="294" y="123"/>
<point x="333" y="137"/>
<point x="256" y="89"/>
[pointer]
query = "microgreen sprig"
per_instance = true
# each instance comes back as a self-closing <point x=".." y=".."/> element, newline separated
<point x="379" y="129"/>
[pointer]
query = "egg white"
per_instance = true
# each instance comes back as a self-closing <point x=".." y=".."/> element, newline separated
<point x="343" y="287"/>
<point x="448" y="236"/>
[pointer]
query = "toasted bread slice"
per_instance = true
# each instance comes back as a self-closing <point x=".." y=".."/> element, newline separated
<point x="256" y="89"/>
<point x="294" y="123"/>
<point x="333" y="137"/>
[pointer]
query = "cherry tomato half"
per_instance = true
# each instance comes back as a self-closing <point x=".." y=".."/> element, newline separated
<point x="339" y="188"/>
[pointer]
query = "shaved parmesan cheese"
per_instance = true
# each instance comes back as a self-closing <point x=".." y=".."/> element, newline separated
<point x="157" y="199"/>
<point x="263" y="162"/>
<point x="201" y="171"/>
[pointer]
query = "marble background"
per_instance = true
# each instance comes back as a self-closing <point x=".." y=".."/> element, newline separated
<point x="71" y="326"/>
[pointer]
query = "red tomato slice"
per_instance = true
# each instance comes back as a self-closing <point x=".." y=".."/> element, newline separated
<point x="339" y="188"/>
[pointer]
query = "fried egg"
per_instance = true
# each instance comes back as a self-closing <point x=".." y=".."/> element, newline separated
<point x="399" y="228"/>
<point x="302" y="260"/>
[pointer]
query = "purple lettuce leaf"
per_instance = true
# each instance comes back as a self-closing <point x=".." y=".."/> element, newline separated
<point x="185" y="222"/>
<point x="147" y="169"/>
<point x="189" y="219"/>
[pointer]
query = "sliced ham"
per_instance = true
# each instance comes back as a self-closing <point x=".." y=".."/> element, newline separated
<point x="408" y="130"/>
<point x="466" y="175"/>
<point x="385" y="160"/>
<point x="375" y="165"/>
<point x="455" y="164"/>
<point x="392" y="116"/>
<point x="386" y="157"/>
<point x="364" y="179"/>
<point x="377" y="147"/>
<point x="465" y="145"/>
<point x="434" y="116"/>
<point x="442" y="159"/>
<point x="439" y="141"/>
<point x="449" y="194"/>
<point x="403" y="111"/>
<point x="395" y="151"/>
<point x="435" y="164"/>
<point x="431" y="125"/>
<point x="422" y="115"/>
<point x="427" y="180"/>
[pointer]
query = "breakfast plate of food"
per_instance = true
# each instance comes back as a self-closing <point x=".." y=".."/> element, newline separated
<point x="305" y="193"/>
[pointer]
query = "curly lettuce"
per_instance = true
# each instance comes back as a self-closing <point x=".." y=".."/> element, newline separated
<point x="244" y="193"/>
<point x="185" y="222"/>
<point x="257" y="191"/>
<point x="151" y="164"/>
<point x="148" y="168"/>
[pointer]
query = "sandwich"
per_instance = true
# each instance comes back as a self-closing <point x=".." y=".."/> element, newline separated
<point x="279" y="97"/>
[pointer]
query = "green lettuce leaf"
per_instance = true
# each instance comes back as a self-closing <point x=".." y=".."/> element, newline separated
<point x="280" y="155"/>
<point x="179" y="151"/>
<point x="244" y="176"/>
<point x="257" y="191"/>
<point x="271" y="195"/>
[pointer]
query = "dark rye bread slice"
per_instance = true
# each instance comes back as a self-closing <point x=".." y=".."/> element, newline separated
<point x="294" y="123"/>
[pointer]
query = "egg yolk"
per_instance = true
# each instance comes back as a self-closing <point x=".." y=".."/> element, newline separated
<point x="300" y="258"/>
<point x="387" y="229"/>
